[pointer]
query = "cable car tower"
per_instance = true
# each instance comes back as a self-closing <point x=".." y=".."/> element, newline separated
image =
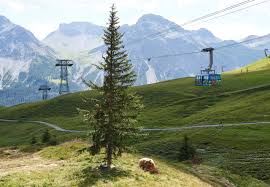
<point x="64" y="64"/>
<point x="265" y="52"/>
<point x="208" y="76"/>
<point x="44" y="88"/>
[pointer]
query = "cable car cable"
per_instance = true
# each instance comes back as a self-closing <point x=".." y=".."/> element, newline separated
<point x="238" y="10"/>
<point x="197" y="52"/>
<point x="194" y="20"/>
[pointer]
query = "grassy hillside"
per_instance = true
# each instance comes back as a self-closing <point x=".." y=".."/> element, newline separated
<point x="17" y="134"/>
<point x="171" y="103"/>
<point x="239" y="155"/>
<point x="240" y="150"/>
<point x="67" y="165"/>
<point x="263" y="64"/>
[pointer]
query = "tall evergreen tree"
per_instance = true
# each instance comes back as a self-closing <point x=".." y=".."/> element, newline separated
<point x="114" y="116"/>
<point x="187" y="151"/>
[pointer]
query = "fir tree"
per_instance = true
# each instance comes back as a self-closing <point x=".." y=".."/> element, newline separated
<point x="46" y="136"/>
<point x="114" y="116"/>
<point x="187" y="151"/>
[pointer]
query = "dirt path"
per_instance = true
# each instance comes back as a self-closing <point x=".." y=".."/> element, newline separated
<point x="57" y="128"/>
<point x="207" y="126"/>
<point x="195" y="126"/>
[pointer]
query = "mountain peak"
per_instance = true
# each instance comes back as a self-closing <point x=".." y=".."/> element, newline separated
<point x="250" y="37"/>
<point x="205" y="33"/>
<point x="75" y="37"/>
<point x="5" y="24"/>
<point x="153" y="18"/>
<point x="77" y="28"/>
<point x="4" y="20"/>
<point x="152" y="22"/>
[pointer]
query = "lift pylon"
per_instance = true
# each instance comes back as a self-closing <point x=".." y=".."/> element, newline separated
<point x="265" y="52"/>
<point x="44" y="89"/>
<point x="64" y="64"/>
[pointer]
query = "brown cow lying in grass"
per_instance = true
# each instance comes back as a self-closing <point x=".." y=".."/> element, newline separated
<point x="148" y="164"/>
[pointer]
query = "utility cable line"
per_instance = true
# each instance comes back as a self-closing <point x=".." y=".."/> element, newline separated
<point x="168" y="55"/>
<point x="197" y="20"/>
<point x="245" y="41"/>
<point x="197" y="52"/>
<point x="203" y="21"/>
<point x="158" y="34"/>
<point x="232" y="12"/>
<point x="218" y="12"/>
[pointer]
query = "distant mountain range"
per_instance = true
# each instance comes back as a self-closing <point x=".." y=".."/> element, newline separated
<point x="71" y="39"/>
<point x="260" y="44"/>
<point x="26" y="62"/>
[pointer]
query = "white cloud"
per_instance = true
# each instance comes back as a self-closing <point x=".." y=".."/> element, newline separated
<point x="225" y="3"/>
<point x="13" y="5"/>
<point x="235" y="30"/>
<point x="186" y="3"/>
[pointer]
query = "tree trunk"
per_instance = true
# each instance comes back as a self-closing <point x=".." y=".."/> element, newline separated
<point x="109" y="156"/>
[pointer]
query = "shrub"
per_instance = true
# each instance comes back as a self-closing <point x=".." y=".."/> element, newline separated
<point x="53" y="141"/>
<point x="46" y="137"/>
<point x="33" y="140"/>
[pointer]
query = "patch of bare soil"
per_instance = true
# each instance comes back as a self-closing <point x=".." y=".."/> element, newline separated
<point x="21" y="162"/>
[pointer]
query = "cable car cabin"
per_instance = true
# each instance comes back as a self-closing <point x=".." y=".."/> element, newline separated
<point x="207" y="79"/>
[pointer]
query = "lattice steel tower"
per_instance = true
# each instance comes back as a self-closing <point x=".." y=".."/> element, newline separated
<point x="265" y="52"/>
<point x="44" y="89"/>
<point x="64" y="64"/>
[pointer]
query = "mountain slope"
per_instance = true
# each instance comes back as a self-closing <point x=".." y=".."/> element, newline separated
<point x="261" y="44"/>
<point x="73" y="167"/>
<point x="20" y="52"/>
<point x="260" y="65"/>
<point x="71" y="39"/>
<point x="226" y="152"/>
<point x="169" y="103"/>
<point x="174" y="41"/>
<point x="25" y="64"/>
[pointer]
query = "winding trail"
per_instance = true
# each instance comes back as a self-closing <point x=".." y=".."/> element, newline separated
<point x="195" y="126"/>
<point x="57" y="128"/>
<point x="207" y="126"/>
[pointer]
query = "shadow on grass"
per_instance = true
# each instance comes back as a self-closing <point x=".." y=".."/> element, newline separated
<point x="93" y="175"/>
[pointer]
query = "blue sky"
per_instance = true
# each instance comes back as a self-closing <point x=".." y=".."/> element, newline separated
<point x="43" y="16"/>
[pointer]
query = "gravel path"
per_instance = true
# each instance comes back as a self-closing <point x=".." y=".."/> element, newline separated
<point x="57" y="128"/>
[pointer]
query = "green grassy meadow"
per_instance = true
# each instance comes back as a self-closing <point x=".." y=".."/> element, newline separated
<point x="237" y="156"/>
<point x="68" y="165"/>
<point x="171" y="103"/>
<point x="20" y="134"/>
